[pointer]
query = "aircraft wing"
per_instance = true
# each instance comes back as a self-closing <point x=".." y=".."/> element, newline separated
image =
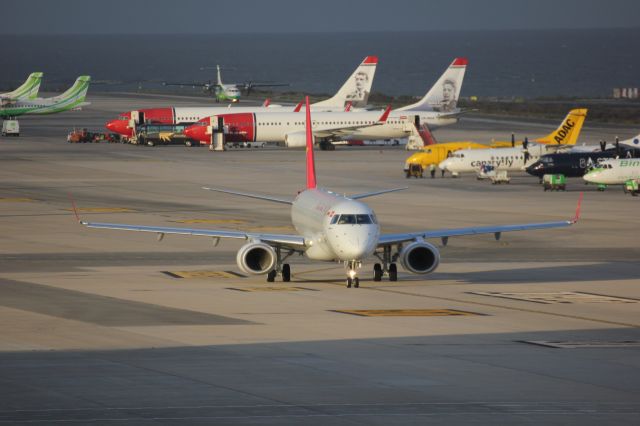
<point x="497" y="230"/>
<point x="293" y="241"/>
<point x="192" y="84"/>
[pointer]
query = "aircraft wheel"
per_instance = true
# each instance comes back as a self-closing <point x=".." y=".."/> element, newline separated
<point x="286" y="273"/>
<point x="377" y="272"/>
<point x="356" y="282"/>
<point x="271" y="276"/>
<point x="349" y="282"/>
<point x="393" y="272"/>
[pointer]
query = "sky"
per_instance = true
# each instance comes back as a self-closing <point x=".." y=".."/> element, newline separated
<point x="294" y="16"/>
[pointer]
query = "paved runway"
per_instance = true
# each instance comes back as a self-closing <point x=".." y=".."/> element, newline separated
<point x="109" y="327"/>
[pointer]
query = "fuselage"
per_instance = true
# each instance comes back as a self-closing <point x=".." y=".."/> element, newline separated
<point x="436" y="153"/>
<point x="334" y="227"/>
<point x="570" y="164"/>
<point x="614" y="171"/>
<point x="504" y="159"/>
<point x="126" y="122"/>
<point x="288" y="127"/>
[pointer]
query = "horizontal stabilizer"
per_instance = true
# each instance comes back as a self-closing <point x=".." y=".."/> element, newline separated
<point x="248" y="195"/>
<point x="374" y="193"/>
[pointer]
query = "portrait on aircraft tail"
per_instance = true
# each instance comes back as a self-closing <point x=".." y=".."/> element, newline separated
<point x="360" y="93"/>
<point x="449" y="101"/>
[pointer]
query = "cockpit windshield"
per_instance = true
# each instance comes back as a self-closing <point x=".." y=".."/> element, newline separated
<point x="352" y="219"/>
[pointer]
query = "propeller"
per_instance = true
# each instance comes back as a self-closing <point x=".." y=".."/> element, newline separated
<point x="617" y="147"/>
<point x="603" y="145"/>
<point x="525" y="145"/>
<point x="513" y="140"/>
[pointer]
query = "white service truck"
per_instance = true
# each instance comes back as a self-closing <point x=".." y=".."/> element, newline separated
<point x="10" y="128"/>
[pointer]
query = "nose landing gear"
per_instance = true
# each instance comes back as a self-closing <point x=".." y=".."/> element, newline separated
<point x="352" y="278"/>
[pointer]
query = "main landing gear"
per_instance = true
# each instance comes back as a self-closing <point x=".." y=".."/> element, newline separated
<point x="388" y="265"/>
<point x="284" y="269"/>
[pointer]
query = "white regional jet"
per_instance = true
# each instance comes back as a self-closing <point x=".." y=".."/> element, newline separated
<point x="332" y="227"/>
<point x="437" y="108"/>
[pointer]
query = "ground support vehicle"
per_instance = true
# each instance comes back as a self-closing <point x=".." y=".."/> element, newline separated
<point x="632" y="187"/>
<point x="500" y="177"/>
<point x="554" y="182"/>
<point x="415" y="170"/>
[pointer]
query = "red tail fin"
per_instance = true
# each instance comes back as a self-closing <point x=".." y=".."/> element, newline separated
<point x="298" y="107"/>
<point x="266" y="102"/>
<point x="348" y="106"/>
<point x="311" y="164"/>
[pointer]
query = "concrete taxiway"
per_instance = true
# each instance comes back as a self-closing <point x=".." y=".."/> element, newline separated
<point x="108" y="327"/>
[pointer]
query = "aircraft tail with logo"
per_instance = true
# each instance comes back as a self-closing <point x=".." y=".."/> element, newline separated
<point x="568" y="131"/>
<point x="28" y="90"/>
<point x="444" y="95"/>
<point x="357" y="87"/>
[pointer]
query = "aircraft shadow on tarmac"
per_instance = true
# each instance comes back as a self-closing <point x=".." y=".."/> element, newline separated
<point x="601" y="271"/>
<point x="484" y="378"/>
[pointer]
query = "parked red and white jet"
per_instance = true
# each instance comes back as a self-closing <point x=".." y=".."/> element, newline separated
<point x="355" y="92"/>
<point x="332" y="227"/>
<point x="437" y="108"/>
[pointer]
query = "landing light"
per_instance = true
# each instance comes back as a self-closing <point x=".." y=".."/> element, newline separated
<point x="352" y="274"/>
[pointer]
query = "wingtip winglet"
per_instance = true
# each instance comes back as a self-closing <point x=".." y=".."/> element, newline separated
<point x="577" y="216"/>
<point x="385" y="115"/>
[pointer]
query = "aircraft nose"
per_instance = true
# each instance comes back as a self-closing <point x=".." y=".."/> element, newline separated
<point x="590" y="177"/>
<point x="354" y="243"/>
<point x="119" y="126"/>
<point x="195" y="132"/>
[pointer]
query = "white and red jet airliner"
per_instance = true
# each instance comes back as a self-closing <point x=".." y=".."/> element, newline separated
<point x="333" y="227"/>
<point x="437" y="108"/>
<point x="354" y="92"/>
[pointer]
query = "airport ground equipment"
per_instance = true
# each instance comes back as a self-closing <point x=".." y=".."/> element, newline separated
<point x="500" y="177"/>
<point x="85" y="136"/>
<point x="10" y="128"/>
<point x="415" y="170"/>
<point x="486" y="171"/>
<point x="162" y="134"/>
<point x="554" y="182"/>
<point x="632" y="187"/>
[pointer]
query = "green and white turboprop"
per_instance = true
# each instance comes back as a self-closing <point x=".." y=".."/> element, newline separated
<point x="615" y="171"/>
<point x="28" y="90"/>
<point x="229" y="92"/>
<point x="71" y="99"/>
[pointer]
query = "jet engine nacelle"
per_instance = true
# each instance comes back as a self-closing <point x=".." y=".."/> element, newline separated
<point x="420" y="257"/>
<point x="296" y="140"/>
<point x="256" y="258"/>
